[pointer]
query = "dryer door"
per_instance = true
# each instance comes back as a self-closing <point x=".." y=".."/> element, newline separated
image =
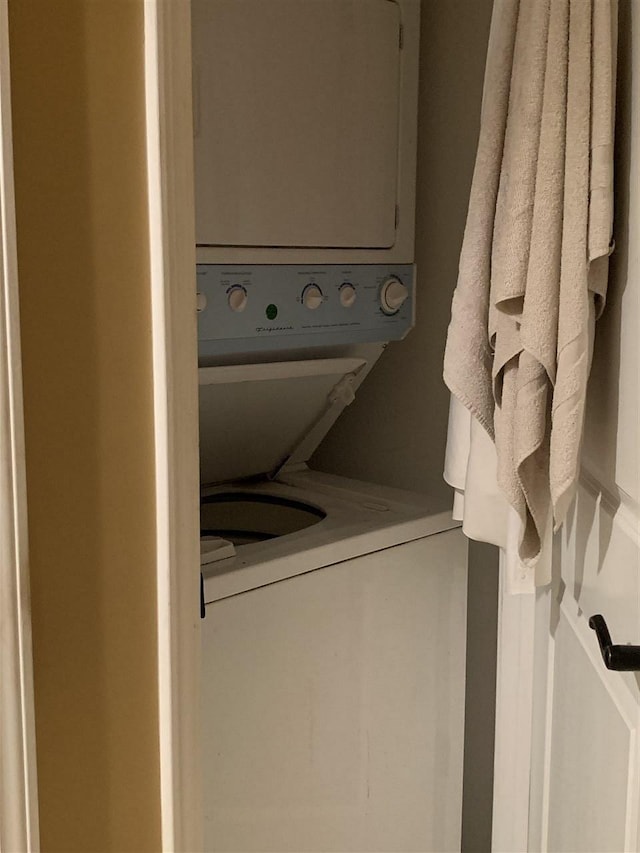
<point x="296" y="107"/>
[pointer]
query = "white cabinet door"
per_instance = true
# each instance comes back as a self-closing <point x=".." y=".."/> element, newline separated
<point x="585" y="781"/>
<point x="585" y="791"/>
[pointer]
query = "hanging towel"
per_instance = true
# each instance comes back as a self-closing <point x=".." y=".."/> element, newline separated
<point x="468" y="355"/>
<point x="589" y="203"/>
<point x="533" y="266"/>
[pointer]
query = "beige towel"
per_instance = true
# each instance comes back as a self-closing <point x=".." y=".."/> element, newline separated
<point x="533" y="264"/>
<point x="514" y="374"/>
<point x="469" y="356"/>
<point x="589" y="202"/>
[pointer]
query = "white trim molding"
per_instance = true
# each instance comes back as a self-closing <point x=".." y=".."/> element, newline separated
<point x="513" y="732"/>
<point x="18" y="785"/>
<point x="173" y="304"/>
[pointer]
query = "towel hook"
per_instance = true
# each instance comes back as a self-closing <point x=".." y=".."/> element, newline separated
<point x="619" y="658"/>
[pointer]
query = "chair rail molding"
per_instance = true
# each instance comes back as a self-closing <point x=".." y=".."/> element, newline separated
<point x="18" y="786"/>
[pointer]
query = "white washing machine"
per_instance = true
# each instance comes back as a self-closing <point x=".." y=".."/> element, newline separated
<point x="334" y="631"/>
<point x="334" y="634"/>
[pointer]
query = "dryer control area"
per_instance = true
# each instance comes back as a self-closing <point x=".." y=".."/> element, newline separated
<point x="251" y="308"/>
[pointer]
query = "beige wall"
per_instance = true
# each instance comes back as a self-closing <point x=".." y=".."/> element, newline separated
<point x="78" y="105"/>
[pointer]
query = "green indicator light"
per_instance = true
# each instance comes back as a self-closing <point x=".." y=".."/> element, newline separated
<point x="272" y="312"/>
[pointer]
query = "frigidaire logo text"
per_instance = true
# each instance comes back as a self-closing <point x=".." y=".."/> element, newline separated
<point x="274" y="328"/>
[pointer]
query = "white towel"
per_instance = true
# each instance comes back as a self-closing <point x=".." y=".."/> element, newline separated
<point x="533" y="266"/>
<point x="470" y="468"/>
<point x="479" y="503"/>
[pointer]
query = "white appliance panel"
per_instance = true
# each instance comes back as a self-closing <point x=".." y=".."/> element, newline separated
<point x="334" y="706"/>
<point x="260" y="307"/>
<point x="297" y="122"/>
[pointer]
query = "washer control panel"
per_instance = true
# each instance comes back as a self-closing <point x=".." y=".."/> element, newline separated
<point x="248" y="308"/>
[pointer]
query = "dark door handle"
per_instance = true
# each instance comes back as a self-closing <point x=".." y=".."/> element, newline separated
<point x="620" y="658"/>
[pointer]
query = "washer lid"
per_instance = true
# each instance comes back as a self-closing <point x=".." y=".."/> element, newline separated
<point x="257" y="418"/>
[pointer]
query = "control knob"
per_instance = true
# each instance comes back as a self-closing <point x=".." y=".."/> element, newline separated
<point x="347" y="295"/>
<point x="393" y="294"/>
<point x="312" y="297"/>
<point x="237" y="298"/>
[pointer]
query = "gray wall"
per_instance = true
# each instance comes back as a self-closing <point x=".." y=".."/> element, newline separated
<point x="482" y="641"/>
<point x="395" y="431"/>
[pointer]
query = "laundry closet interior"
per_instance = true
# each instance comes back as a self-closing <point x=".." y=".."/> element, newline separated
<point x="334" y="143"/>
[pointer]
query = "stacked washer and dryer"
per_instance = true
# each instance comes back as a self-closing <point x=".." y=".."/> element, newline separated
<point x="334" y="629"/>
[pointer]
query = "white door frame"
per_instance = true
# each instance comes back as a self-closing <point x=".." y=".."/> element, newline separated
<point x="167" y="25"/>
<point x="513" y="724"/>
<point x="18" y="786"/>
<point x="172" y="249"/>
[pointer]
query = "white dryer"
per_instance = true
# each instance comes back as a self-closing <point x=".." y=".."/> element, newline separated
<point x="333" y="641"/>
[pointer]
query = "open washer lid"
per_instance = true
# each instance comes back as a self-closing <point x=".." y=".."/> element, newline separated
<point x="258" y="418"/>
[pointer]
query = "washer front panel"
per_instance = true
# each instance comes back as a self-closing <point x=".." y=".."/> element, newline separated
<point x="249" y="308"/>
